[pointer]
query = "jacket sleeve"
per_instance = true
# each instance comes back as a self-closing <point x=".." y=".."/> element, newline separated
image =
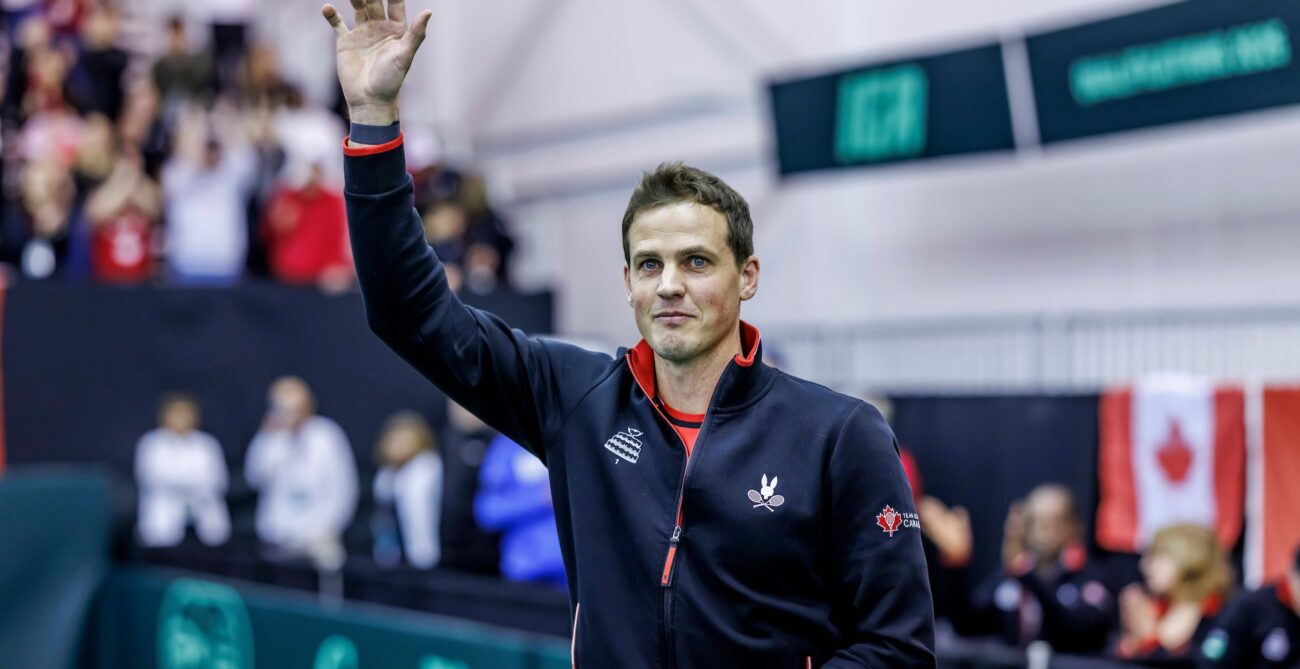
<point x="881" y="601"/>
<point x="523" y="387"/>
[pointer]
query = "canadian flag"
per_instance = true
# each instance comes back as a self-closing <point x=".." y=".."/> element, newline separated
<point x="1276" y="520"/>
<point x="1173" y="451"/>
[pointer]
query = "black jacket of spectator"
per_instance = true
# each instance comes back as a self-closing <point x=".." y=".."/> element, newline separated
<point x="1068" y="606"/>
<point x="1258" y="630"/>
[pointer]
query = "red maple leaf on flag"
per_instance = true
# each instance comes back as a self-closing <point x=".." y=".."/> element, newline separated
<point x="1174" y="455"/>
<point x="888" y="520"/>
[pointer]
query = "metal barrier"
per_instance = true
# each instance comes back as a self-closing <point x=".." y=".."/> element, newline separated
<point x="1044" y="353"/>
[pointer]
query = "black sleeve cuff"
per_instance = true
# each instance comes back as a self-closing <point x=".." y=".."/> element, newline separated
<point x="374" y="134"/>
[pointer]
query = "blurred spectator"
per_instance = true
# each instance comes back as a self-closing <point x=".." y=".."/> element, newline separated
<point x="207" y="183"/>
<point x="229" y="20"/>
<point x="181" y="73"/>
<point x="180" y="474"/>
<point x="309" y="135"/>
<point x="1258" y="630"/>
<point x="141" y="128"/>
<point x="445" y="225"/>
<point x="1186" y="578"/>
<point x="1046" y="590"/>
<point x="43" y="219"/>
<point x="408" y="494"/>
<point x="514" y="498"/>
<point x="95" y="84"/>
<point x="260" y="83"/>
<point x="123" y="213"/>
<point x="305" y="232"/>
<point x="490" y="244"/>
<point x="302" y="466"/>
<point x="465" y="545"/>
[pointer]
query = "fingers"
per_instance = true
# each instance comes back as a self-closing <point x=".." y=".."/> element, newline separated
<point x="336" y="22"/>
<point x="360" y="7"/>
<point x="415" y="36"/>
<point x="375" y="9"/>
<point x="397" y="11"/>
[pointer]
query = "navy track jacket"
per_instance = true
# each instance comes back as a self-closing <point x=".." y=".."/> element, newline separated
<point x="788" y="540"/>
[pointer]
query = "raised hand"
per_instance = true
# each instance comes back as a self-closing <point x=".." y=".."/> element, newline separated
<point x="374" y="57"/>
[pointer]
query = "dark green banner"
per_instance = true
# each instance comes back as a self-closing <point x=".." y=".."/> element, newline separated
<point x="893" y="111"/>
<point x="1185" y="61"/>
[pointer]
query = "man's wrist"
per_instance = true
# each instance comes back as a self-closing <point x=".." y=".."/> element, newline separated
<point x="382" y="114"/>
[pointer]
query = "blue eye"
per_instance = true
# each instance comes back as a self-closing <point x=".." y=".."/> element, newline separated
<point x="649" y="265"/>
<point x="697" y="262"/>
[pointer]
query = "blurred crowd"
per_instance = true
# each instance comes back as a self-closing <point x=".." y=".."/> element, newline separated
<point x="1051" y="590"/>
<point x="312" y="505"/>
<point x="1181" y="607"/>
<point x="196" y="162"/>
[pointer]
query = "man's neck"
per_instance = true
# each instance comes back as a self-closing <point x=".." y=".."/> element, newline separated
<point x="688" y="387"/>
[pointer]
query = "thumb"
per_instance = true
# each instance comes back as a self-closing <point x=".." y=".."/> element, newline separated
<point x="415" y="35"/>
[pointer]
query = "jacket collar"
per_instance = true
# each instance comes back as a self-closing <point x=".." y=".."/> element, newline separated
<point x="745" y="378"/>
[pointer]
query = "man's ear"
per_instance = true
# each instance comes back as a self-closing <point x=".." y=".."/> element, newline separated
<point x="627" y="283"/>
<point x="749" y="278"/>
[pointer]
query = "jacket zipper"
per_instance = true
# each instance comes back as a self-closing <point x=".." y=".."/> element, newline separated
<point x="666" y="579"/>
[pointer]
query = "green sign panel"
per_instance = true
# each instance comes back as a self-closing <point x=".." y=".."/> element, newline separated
<point x="893" y="111"/>
<point x="882" y="114"/>
<point x="1174" y="63"/>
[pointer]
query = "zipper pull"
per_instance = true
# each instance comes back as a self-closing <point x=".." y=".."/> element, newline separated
<point x="667" y="579"/>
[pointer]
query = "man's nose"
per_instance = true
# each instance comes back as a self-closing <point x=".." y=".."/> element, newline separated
<point x="670" y="284"/>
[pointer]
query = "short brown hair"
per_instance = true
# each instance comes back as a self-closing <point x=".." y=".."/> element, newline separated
<point x="670" y="183"/>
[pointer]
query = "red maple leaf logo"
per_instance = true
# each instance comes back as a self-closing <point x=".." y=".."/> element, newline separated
<point x="1174" y="455"/>
<point x="888" y="520"/>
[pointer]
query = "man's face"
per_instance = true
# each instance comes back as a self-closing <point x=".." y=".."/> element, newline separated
<point x="683" y="282"/>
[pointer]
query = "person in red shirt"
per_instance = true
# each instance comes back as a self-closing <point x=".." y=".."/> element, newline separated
<point x="305" y="232"/>
<point x="122" y="213"/>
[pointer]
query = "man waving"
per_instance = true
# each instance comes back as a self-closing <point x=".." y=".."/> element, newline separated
<point x="712" y="511"/>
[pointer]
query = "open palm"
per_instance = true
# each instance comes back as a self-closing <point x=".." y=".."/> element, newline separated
<point x="374" y="57"/>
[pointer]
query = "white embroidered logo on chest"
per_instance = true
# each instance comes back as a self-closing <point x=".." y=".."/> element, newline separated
<point x="766" y="496"/>
<point x="625" y="445"/>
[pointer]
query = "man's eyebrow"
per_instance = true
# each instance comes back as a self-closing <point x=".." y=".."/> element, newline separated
<point x="645" y="254"/>
<point x="696" y="251"/>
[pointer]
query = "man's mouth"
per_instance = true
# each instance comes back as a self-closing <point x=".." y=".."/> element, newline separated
<point x="672" y="317"/>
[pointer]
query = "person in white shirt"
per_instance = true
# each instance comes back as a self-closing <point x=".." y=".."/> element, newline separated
<point x="304" y="471"/>
<point x="206" y="186"/>
<point x="408" y="494"/>
<point x="181" y="476"/>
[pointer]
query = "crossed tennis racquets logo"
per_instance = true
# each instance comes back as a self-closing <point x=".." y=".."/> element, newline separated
<point x="766" y="496"/>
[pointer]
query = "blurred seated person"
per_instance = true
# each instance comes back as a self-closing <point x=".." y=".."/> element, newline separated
<point x="514" y="498"/>
<point x="1185" y="580"/>
<point x="180" y="473"/>
<point x="302" y="467"/>
<point x="305" y="231"/>
<point x="1046" y="590"/>
<point x="1258" y="630"/>
<point x="465" y="545"/>
<point x="408" y="494"/>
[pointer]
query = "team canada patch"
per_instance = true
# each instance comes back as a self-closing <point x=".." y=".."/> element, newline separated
<point x="625" y="444"/>
<point x="891" y="521"/>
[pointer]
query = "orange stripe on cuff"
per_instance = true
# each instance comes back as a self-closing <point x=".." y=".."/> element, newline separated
<point x="358" y="151"/>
